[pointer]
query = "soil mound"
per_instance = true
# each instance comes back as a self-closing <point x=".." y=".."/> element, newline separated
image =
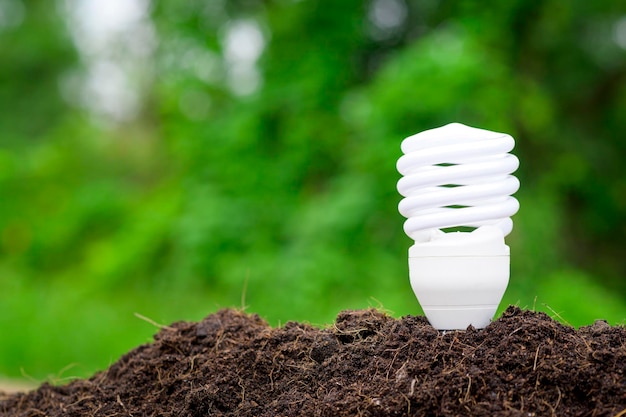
<point x="366" y="364"/>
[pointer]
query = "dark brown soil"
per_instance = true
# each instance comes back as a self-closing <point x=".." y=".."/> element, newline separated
<point x="366" y="364"/>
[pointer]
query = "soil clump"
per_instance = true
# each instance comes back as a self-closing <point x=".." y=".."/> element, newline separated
<point x="366" y="364"/>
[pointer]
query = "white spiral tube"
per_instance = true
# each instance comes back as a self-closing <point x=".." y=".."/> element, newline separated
<point x="457" y="175"/>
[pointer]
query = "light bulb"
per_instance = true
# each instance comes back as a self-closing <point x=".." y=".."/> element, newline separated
<point x="459" y="177"/>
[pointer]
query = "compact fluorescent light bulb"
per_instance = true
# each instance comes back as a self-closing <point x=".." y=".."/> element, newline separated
<point x="456" y="176"/>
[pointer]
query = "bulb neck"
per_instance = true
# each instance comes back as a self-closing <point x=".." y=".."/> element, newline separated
<point x="483" y="241"/>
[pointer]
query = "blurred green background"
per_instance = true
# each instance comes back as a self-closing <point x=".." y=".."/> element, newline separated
<point x="173" y="158"/>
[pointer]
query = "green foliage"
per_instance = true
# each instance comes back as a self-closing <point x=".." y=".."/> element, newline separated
<point x="287" y="194"/>
<point x="34" y="51"/>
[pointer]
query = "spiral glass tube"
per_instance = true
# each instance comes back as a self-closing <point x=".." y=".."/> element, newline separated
<point x="457" y="176"/>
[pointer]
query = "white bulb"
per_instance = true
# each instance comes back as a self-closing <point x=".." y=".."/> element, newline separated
<point x="456" y="176"/>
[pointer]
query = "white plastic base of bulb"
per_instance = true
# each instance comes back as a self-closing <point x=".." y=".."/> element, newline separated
<point x="455" y="292"/>
<point x="460" y="278"/>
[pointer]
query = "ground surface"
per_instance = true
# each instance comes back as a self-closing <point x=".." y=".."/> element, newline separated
<point x="11" y="386"/>
<point x="366" y="364"/>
